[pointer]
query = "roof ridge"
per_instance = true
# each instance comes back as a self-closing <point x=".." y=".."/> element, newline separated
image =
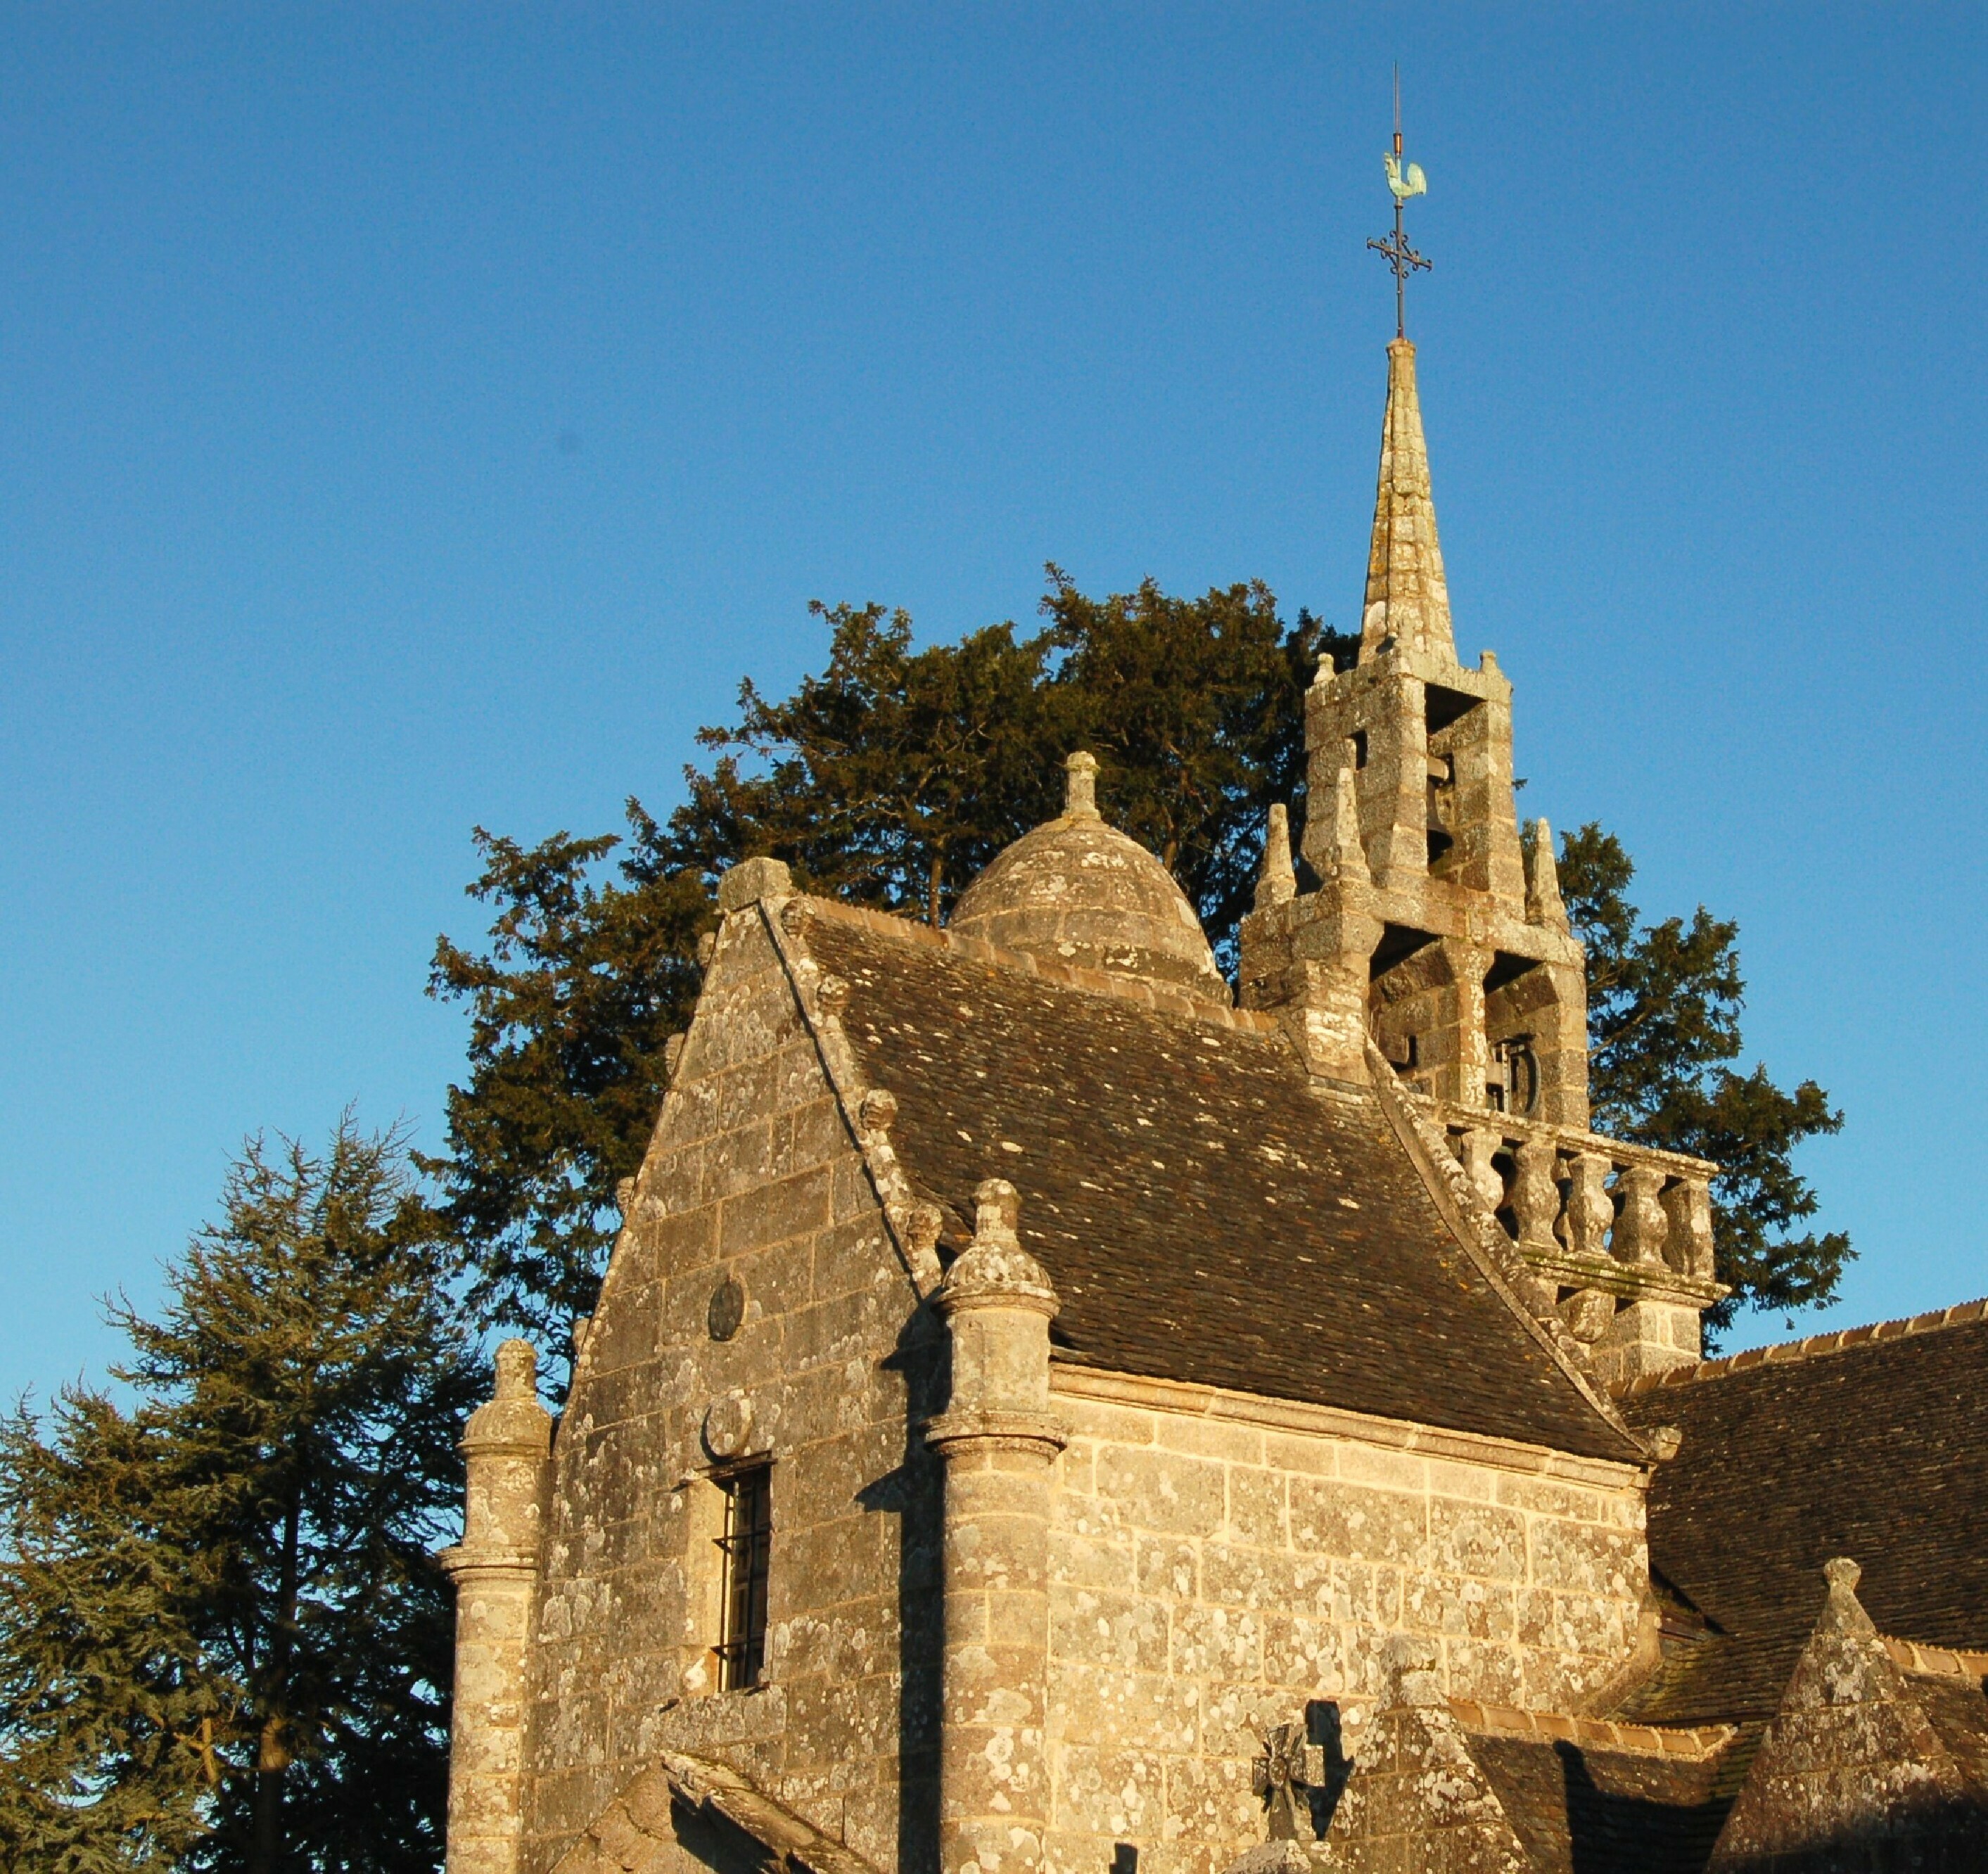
<point x="1917" y="1657"/>
<point x="1693" y="1741"/>
<point x="1484" y="1241"/>
<point x="1785" y="1353"/>
<point x="1065" y="976"/>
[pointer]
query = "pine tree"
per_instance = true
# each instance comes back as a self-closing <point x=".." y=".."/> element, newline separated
<point x="224" y="1642"/>
<point x="890" y="779"/>
<point x="1664" y="1002"/>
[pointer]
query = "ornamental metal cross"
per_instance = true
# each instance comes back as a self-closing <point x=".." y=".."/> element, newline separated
<point x="1402" y="259"/>
<point x="1289" y="1768"/>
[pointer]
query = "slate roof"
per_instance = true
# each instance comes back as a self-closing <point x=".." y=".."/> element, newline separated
<point x="1877" y="1450"/>
<point x="1574" y="1809"/>
<point x="1206" y="1213"/>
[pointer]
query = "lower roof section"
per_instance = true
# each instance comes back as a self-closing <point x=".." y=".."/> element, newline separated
<point x="1873" y="1446"/>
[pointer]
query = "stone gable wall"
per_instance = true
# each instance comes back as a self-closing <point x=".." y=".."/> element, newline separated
<point x="1209" y="1578"/>
<point x="752" y="1173"/>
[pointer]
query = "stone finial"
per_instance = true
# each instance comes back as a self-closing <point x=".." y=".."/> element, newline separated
<point x="1842" y="1612"/>
<point x="1412" y="1683"/>
<point x="1277" y="878"/>
<point x="1349" y="852"/>
<point x="751" y="880"/>
<point x="1080" y="800"/>
<point x="517" y="1364"/>
<point x="1544" y="906"/>
<point x="1332" y="842"/>
<point x="994" y="1271"/>
<point x="997" y="1209"/>
<point x="513" y="1420"/>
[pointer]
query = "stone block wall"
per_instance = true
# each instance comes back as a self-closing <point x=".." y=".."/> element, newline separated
<point x="752" y="1176"/>
<point x="1210" y="1576"/>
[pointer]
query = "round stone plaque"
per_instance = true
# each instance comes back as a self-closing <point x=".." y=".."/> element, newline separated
<point x="726" y="1310"/>
<point x="728" y="1425"/>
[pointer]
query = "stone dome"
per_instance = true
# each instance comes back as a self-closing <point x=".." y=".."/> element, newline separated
<point x="1076" y="891"/>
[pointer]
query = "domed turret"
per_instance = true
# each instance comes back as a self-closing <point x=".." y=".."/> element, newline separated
<point x="1076" y="891"/>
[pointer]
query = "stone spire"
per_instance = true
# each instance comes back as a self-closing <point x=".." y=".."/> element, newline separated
<point x="1407" y="597"/>
<point x="1277" y="878"/>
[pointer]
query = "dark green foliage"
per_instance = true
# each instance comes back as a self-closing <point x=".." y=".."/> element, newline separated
<point x="891" y="779"/>
<point x="1664" y="1003"/>
<point x="584" y="980"/>
<point x="224" y="1641"/>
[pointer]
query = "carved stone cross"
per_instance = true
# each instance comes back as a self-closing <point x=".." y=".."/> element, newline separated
<point x="1288" y="1768"/>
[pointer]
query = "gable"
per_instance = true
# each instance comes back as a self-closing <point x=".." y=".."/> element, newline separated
<point x="753" y="1185"/>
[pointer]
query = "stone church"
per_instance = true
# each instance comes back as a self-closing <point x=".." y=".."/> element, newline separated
<point x="1048" y="1413"/>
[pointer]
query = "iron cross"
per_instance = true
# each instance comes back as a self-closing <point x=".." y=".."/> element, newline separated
<point x="1402" y="259"/>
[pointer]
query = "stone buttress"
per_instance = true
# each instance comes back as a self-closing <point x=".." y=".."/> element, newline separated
<point x="1438" y="929"/>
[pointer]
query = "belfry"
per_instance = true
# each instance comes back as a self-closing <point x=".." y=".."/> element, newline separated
<point x="1435" y="941"/>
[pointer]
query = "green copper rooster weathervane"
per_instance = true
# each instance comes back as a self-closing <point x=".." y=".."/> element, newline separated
<point x="1402" y="182"/>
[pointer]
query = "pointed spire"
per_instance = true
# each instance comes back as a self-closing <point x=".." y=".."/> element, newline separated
<point x="1544" y="905"/>
<point x="1349" y="855"/>
<point x="1277" y="880"/>
<point x="1852" y="1757"/>
<point x="1407" y="597"/>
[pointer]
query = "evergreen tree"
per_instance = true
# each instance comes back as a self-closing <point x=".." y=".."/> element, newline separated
<point x="890" y="779"/>
<point x="224" y="1642"/>
<point x="1664" y="1002"/>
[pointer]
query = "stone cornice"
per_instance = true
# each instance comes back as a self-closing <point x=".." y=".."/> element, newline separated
<point x="1185" y="1399"/>
<point x="463" y="1560"/>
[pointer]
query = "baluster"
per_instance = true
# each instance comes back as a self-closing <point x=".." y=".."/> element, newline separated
<point x="1480" y="1143"/>
<point x="1641" y="1228"/>
<point x="1535" y="1193"/>
<point x="1590" y="1209"/>
<point x="1688" y="1247"/>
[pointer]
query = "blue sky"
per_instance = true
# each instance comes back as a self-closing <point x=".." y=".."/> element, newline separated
<point x="417" y="417"/>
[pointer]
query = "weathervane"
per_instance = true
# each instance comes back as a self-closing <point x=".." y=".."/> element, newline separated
<point x="1401" y="184"/>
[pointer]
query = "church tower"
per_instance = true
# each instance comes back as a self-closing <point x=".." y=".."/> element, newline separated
<point x="1475" y="989"/>
<point x="1435" y="947"/>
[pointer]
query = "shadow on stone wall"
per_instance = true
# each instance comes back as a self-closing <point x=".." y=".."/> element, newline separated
<point x="914" y="1493"/>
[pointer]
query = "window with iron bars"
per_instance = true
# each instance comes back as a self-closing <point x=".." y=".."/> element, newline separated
<point x="747" y="1543"/>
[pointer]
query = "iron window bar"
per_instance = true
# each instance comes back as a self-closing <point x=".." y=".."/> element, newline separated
<point x="747" y="1545"/>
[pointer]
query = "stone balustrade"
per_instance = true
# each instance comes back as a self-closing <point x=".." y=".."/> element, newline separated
<point x="1616" y="1237"/>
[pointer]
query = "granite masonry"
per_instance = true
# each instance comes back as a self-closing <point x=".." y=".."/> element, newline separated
<point x="1047" y="1414"/>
